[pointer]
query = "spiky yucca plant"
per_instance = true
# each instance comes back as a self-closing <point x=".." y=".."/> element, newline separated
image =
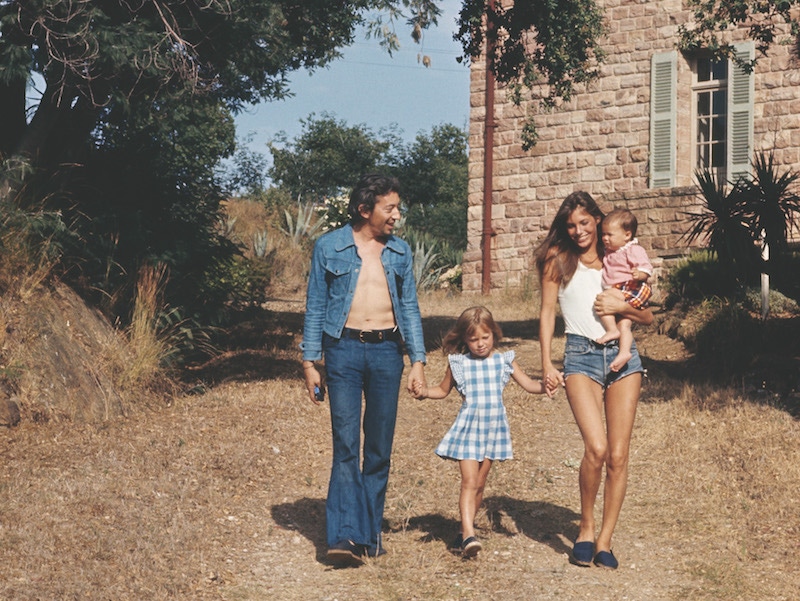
<point x="773" y="209"/>
<point x="725" y="224"/>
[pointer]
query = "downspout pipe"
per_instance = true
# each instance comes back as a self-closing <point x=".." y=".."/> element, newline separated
<point x="488" y="157"/>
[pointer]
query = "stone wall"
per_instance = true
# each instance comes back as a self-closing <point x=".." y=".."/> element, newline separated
<point x="599" y="142"/>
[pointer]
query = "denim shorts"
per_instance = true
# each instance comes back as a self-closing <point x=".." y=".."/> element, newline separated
<point x="585" y="356"/>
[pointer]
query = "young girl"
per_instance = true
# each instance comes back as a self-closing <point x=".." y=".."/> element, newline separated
<point x="480" y="434"/>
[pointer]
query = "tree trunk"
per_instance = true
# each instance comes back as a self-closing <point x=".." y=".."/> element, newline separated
<point x="12" y="108"/>
<point x="764" y="280"/>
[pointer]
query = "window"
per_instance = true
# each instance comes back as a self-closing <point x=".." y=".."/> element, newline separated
<point x="721" y="134"/>
<point x="710" y="100"/>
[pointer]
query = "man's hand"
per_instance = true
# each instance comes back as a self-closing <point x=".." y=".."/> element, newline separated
<point x="313" y="380"/>
<point x="417" y="384"/>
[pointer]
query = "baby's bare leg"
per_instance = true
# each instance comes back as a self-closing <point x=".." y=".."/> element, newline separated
<point x="612" y="329"/>
<point x="625" y="343"/>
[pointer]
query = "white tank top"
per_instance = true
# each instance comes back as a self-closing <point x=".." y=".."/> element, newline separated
<point x="576" y="300"/>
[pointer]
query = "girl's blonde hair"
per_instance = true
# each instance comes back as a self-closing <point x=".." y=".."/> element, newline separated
<point x="469" y="321"/>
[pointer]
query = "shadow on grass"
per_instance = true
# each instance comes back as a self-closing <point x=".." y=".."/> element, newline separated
<point x="263" y="344"/>
<point x="543" y="522"/>
<point x="246" y="365"/>
<point x="436" y="326"/>
<point x="306" y="517"/>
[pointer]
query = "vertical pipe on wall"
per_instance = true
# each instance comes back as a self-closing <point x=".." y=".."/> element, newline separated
<point x="488" y="155"/>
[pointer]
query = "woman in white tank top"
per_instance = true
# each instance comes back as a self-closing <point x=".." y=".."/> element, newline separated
<point x="569" y="262"/>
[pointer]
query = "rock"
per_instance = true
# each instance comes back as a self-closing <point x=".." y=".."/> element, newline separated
<point x="9" y="413"/>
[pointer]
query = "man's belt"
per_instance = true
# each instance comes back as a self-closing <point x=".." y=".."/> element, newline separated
<point x="373" y="335"/>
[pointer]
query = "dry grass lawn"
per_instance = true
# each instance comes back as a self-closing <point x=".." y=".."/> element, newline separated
<point x="221" y="495"/>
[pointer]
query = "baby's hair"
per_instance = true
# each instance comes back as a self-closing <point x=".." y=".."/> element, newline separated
<point x="470" y="320"/>
<point x="625" y="218"/>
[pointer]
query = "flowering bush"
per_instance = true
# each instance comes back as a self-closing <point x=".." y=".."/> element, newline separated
<point x="333" y="211"/>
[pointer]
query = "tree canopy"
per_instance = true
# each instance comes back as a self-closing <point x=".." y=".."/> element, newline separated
<point x="324" y="160"/>
<point x="767" y="22"/>
<point x="327" y="157"/>
<point x="116" y="115"/>
<point x="544" y="47"/>
<point x="434" y="173"/>
<point x="97" y="57"/>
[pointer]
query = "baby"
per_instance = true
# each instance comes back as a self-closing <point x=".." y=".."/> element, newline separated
<point x="627" y="268"/>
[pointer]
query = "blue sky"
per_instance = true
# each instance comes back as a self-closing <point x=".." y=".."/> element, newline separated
<point x="368" y="87"/>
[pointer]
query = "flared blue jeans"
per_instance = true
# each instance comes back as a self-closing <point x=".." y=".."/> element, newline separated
<point x="357" y="491"/>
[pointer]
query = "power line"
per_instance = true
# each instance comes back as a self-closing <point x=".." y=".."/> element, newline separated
<point x="405" y="48"/>
<point x="398" y="66"/>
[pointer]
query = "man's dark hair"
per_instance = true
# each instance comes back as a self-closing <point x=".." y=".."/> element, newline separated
<point x="366" y="192"/>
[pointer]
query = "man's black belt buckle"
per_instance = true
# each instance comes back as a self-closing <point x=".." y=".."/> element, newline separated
<point x="374" y="336"/>
<point x="370" y="336"/>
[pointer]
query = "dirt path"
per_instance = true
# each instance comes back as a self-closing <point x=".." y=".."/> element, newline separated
<point x="221" y="496"/>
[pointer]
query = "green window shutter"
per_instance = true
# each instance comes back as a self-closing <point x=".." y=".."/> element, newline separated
<point x="741" y="91"/>
<point x="663" y="91"/>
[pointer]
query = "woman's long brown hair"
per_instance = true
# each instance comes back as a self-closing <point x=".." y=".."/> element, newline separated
<point x="556" y="258"/>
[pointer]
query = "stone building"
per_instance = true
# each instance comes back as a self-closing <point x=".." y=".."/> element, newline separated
<point x="634" y="137"/>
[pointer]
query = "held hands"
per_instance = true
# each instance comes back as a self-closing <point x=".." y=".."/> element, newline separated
<point x="552" y="380"/>
<point x="417" y="384"/>
<point x="418" y="390"/>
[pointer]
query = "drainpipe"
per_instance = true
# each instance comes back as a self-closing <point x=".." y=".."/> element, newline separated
<point x="488" y="155"/>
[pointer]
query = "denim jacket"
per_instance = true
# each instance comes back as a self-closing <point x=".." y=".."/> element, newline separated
<point x="335" y="267"/>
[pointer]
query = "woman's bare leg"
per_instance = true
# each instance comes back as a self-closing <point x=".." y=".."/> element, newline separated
<point x="621" y="400"/>
<point x="585" y="398"/>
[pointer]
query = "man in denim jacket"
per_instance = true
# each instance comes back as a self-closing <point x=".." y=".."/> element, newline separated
<point x="361" y="310"/>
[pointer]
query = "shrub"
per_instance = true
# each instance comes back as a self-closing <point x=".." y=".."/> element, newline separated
<point x="787" y="279"/>
<point x="778" y="302"/>
<point x="723" y="335"/>
<point x="333" y="212"/>
<point x="242" y="280"/>
<point x="699" y="276"/>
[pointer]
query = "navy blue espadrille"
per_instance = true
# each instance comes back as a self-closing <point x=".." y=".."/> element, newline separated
<point x="606" y="559"/>
<point x="582" y="554"/>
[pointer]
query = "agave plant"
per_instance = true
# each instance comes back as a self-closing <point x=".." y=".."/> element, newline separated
<point x="303" y="225"/>
<point x="426" y="271"/>
<point x="260" y="244"/>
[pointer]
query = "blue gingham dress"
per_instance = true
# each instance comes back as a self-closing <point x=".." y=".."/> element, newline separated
<point x="481" y="427"/>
